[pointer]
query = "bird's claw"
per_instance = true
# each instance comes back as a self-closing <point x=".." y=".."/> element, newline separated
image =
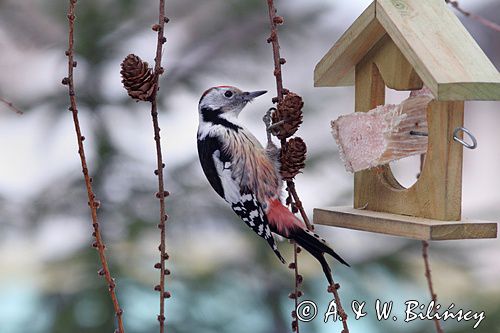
<point x="267" y="121"/>
<point x="267" y="118"/>
<point x="274" y="126"/>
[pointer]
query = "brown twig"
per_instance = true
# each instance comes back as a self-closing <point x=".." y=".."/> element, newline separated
<point x="484" y="21"/>
<point x="333" y="289"/>
<point x="161" y="194"/>
<point x="298" y="281"/>
<point x="293" y="197"/>
<point x="92" y="201"/>
<point x="10" y="105"/>
<point x="278" y="61"/>
<point x="298" y="203"/>
<point x="425" y="256"/>
<point x="274" y="40"/>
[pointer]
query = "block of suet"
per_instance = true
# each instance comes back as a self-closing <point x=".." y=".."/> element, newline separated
<point x="384" y="134"/>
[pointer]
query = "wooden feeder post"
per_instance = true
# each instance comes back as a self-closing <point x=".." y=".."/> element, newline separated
<point x="405" y="44"/>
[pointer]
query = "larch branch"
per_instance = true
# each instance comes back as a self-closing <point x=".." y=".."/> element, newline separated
<point x="484" y="21"/>
<point x="92" y="201"/>
<point x="293" y="197"/>
<point x="10" y="105"/>
<point x="161" y="194"/>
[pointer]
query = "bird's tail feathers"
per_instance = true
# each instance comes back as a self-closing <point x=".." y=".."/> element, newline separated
<point x="283" y="222"/>
<point x="272" y="243"/>
<point x="317" y="246"/>
<point x="278" y="254"/>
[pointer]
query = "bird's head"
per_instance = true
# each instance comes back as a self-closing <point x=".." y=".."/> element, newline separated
<point x="226" y="100"/>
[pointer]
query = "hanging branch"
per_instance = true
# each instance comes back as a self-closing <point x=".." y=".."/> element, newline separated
<point x="10" y="105"/>
<point x="425" y="256"/>
<point x="162" y="194"/>
<point x="278" y="61"/>
<point x="296" y="294"/>
<point x="141" y="83"/>
<point x="484" y="21"/>
<point x="92" y="201"/>
<point x="287" y="118"/>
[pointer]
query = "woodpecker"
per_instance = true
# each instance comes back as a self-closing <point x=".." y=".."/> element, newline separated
<point x="246" y="175"/>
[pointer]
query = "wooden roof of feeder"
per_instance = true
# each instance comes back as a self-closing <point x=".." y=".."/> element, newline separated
<point x="432" y="39"/>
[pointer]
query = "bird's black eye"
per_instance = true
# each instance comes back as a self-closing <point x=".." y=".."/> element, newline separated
<point x="228" y="94"/>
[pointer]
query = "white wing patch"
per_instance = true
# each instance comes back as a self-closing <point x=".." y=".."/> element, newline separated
<point x="231" y="188"/>
<point x="253" y="213"/>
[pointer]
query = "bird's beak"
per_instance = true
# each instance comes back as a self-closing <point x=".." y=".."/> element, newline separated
<point x="248" y="96"/>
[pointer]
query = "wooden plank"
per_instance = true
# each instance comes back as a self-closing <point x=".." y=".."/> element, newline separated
<point x="396" y="71"/>
<point x="441" y="50"/>
<point x="404" y="226"/>
<point x="337" y="66"/>
<point x="437" y="194"/>
<point x="469" y="91"/>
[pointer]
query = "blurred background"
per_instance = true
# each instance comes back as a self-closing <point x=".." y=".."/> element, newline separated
<point x="224" y="278"/>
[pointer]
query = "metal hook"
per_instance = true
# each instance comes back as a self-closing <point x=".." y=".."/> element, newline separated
<point x="465" y="144"/>
<point x="455" y="137"/>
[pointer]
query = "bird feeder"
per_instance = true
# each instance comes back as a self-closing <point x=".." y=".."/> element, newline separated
<point x="405" y="45"/>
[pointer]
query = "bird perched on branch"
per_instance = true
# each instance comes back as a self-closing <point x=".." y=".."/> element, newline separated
<point x="246" y="175"/>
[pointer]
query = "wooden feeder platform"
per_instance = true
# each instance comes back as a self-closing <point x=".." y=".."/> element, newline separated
<point x="404" y="226"/>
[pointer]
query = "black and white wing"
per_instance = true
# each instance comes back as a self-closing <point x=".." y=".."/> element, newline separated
<point x="217" y="166"/>
<point x="250" y="211"/>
